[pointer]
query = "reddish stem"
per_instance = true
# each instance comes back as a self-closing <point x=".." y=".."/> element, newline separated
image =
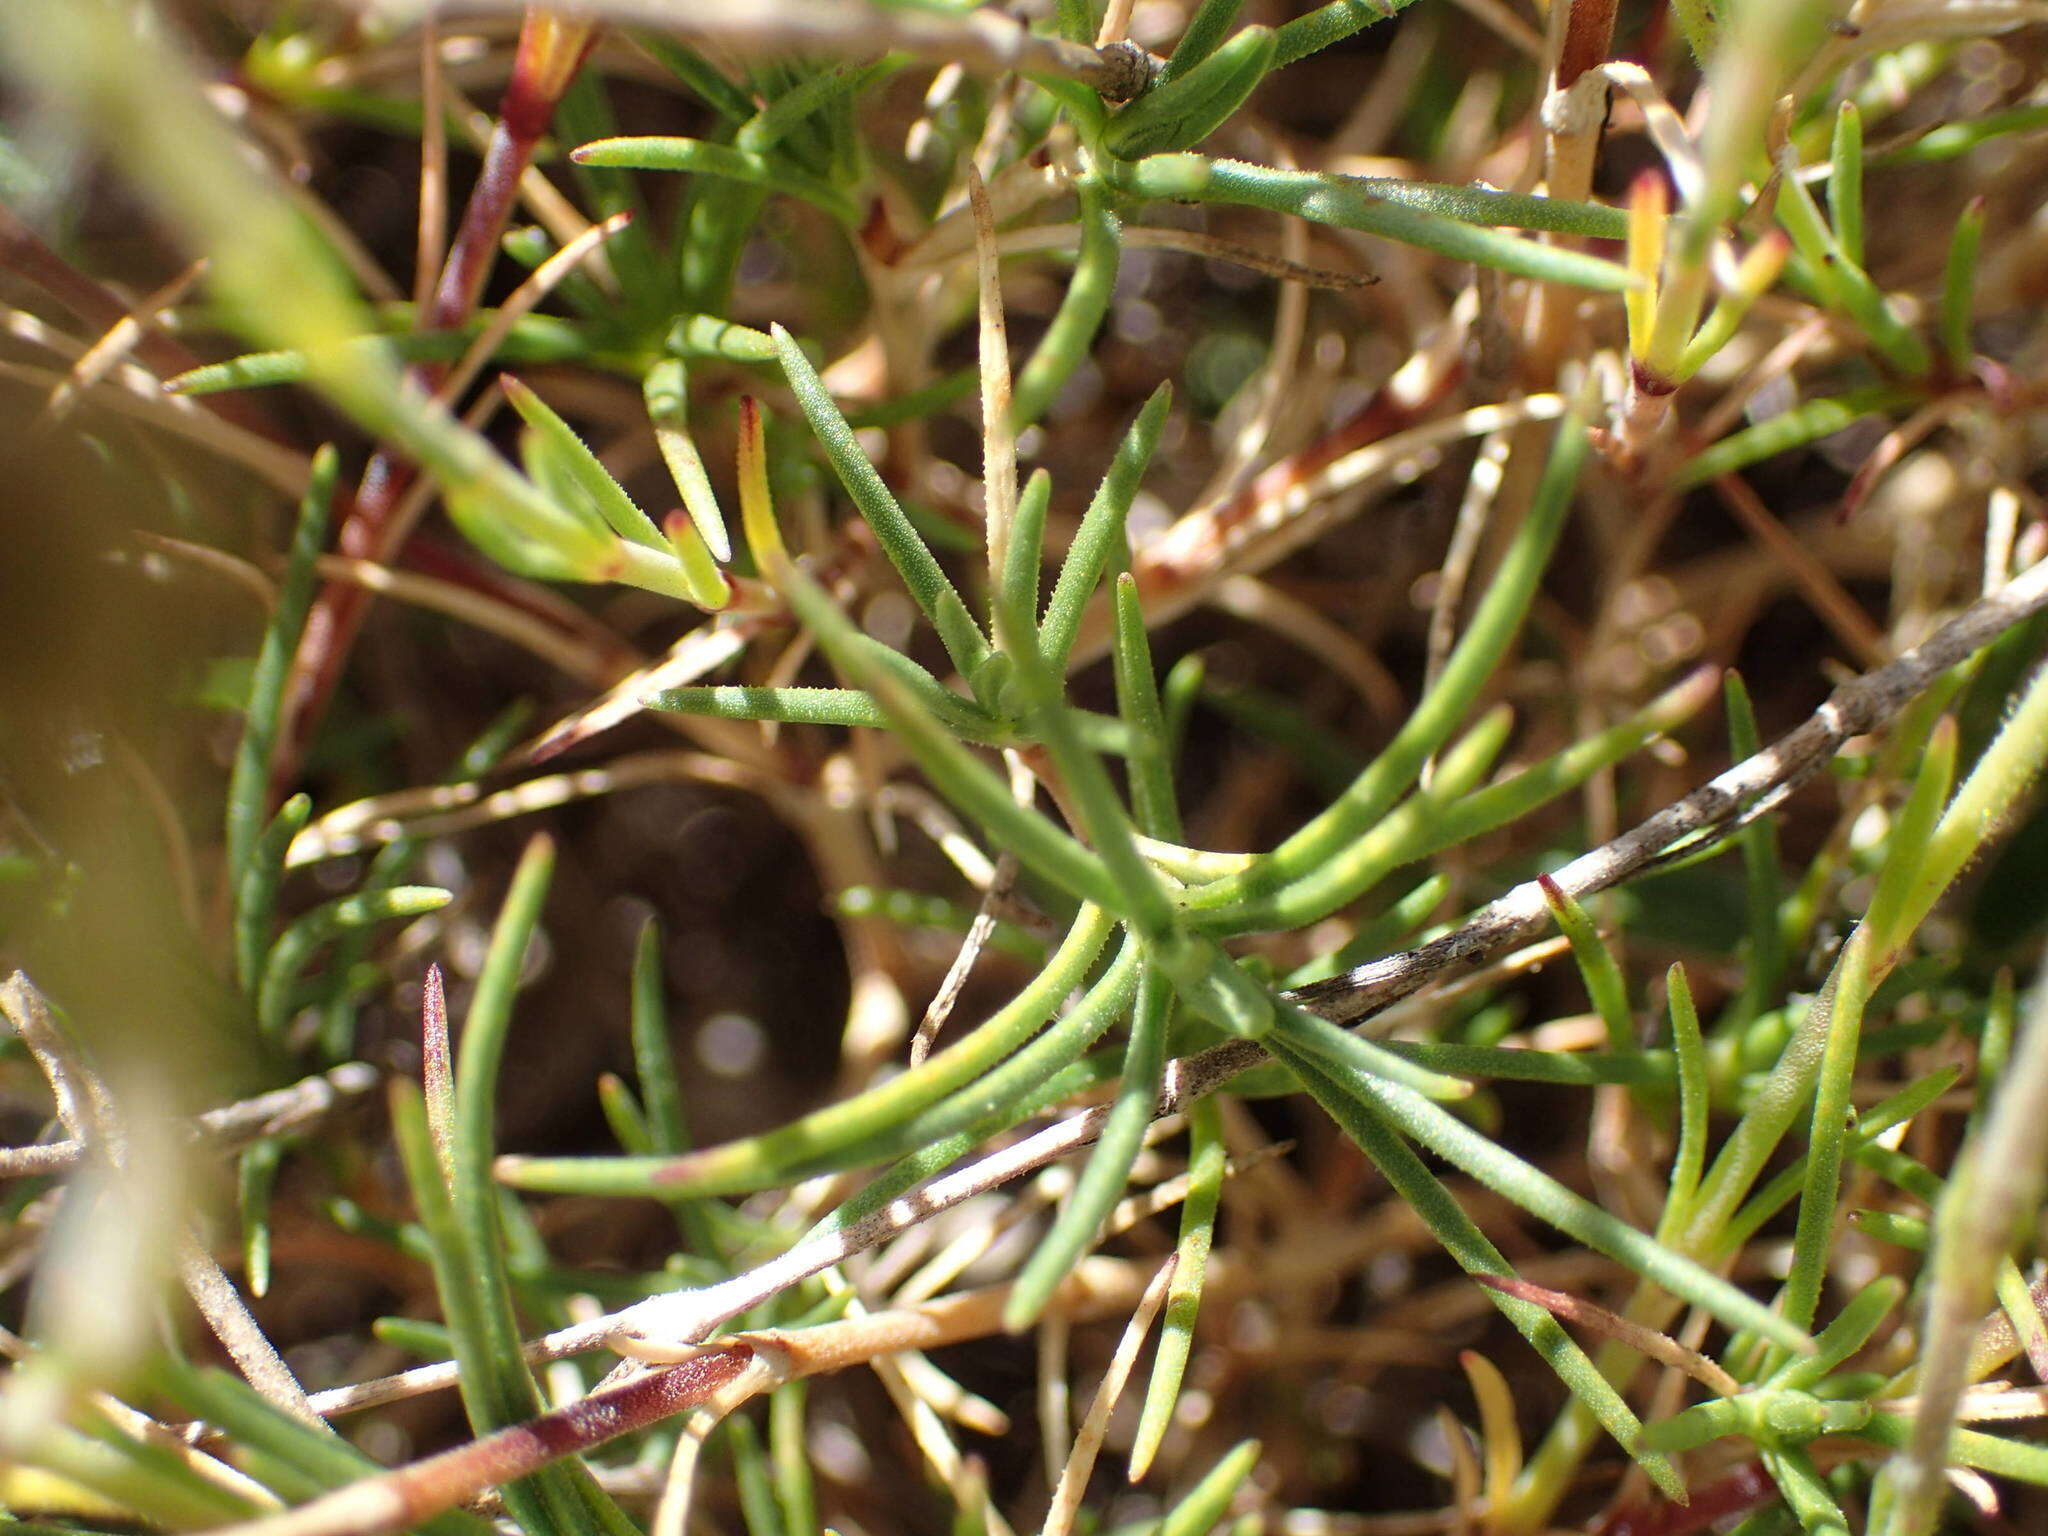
<point x="97" y="306"/>
<point x="1748" y="1487"/>
<point x="411" y="1494"/>
<point x="1588" y="37"/>
<point x="549" y="54"/>
<point x="437" y="1069"/>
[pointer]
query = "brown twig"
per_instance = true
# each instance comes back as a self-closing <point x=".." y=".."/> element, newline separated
<point x="941" y="1007"/>
<point x="718" y="1379"/>
<point x="414" y="1493"/>
<point x="1860" y="705"/>
<point x="1648" y="1342"/>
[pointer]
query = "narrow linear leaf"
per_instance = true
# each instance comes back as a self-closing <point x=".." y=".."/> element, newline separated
<point x="497" y="1388"/>
<point x="758" y="1162"/>
<point x="1805" y="423"/>
<point x="963" y="779"/>
<point x="1153" y="800"/>
<point x="1598" y="968"/>
<point x="1101" y="533"/>
<point x="1108" y="1171"/>
<point x="1542" y="1196"/>
<point x="249" y="783"/>
<point x="256" y="888"/>
<point x="544" y="1501"/>
<point x="1207" y="1159"/>
<point x="1209" y="1500"/>
<point x="1331" y="23"/>
<point x="1463" y="1240"/>
<point x="929" y="586"/>
<point x="666" y="391"/>
<point x="771" y="172"/>
<point x="1246" y="901"/>
<point x="296" y="946"/>
<point x="1452" y="221"/>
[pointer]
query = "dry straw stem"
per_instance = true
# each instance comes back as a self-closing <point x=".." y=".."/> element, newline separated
<point x="1080" y="1463"/>
<point x="442" y="810"/>
<point x="999" y="441"/>
<point x="119" y="339"/>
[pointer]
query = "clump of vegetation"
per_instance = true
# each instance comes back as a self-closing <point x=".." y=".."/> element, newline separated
<point x="1214" y="543"/>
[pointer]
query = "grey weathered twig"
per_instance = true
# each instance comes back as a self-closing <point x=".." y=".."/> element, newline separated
<point x="88" y="1112"/>
<point x="226" y="1129"/>
<point x="986" y="41"/>
<point x="1858" y="706"/>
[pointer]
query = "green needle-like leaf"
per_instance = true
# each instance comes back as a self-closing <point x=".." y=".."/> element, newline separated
<point x="1209" y="1500"/>
<point x="772" y="172"/>
<point x="589" y="475"/>
<point x="1179" y="113"/>
<point x="1331" y="23"/>
<point x="1102" y="1182"/>
<point x="823" y="706"/>
<point x="469" y="1242"/>
<point x="1207" y="1159"/>
<point x="249" y="785"/>
<point x="964" y="780"/>
<point x="1246" y="901"/>
<point x="255" y="1180"/>
<point x="1016" y="595"/>
<point x="1101" y="534"/>
<point x="1690" y="1049"/>
<point x="1544" y="1197"/>
<point x="323" y="924"/>
<point x="928" y="585"/>
<point x="1597" y="965"/>
<point x="256" y="887"/>
<point x="320" y="1458"/>
<point x="1150" y="759"/>
<point x="1342" y="1051"/>
<point x="758" y="1162"/>
<point x="1768" y="1201"/>
<point x="1858" y="969"/>
<point x="1457" y="222"/>
<point x="1199" y="38"/>
<point x="709" y="336"/>
<point x="474" y="1299"/>
<point x="1805" y="423"/>
<point x="1066" y="342"/>
<point x="1845" y="181"/>
<point x="666" y="390"/>
<point x="1959" y="288"/>
<point x="1463" y="1240"/>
